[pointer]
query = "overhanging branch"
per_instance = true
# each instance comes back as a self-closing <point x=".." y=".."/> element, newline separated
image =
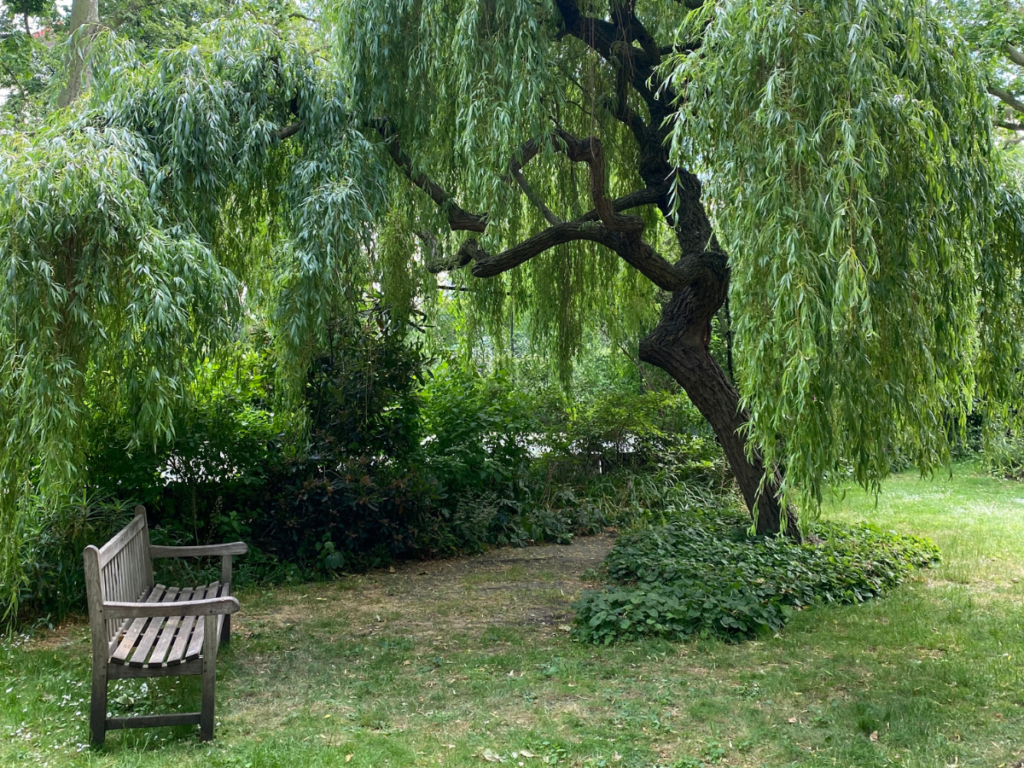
<point x="1007" y="98"/>
<point x="288" y="131"/>
<point x="591" y="152"/>
<point x="524" y="155"/>
<point x="630" y="247"/>
<point x="1016" y="56"/>
<point x="458" y="219"/>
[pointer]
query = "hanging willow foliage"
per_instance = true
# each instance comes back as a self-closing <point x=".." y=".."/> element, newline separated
<point x="847" y="147"/>
<point x="134" y="231"/>
<point x="464" y="85"/>
<point x="92" y="281"/>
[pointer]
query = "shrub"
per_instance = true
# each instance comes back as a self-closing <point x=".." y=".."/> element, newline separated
<point x="703" y="575"/>
<point x="632" y="431"/>
<point x="476" y="431"/>
<point x="1004" y="453"/>
<point x="344" y="514"/>
<point x="51" y="551"/>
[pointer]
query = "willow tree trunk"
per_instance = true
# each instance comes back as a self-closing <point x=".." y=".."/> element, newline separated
<point x="679" y="346"/>
<point x="85" y="17"/>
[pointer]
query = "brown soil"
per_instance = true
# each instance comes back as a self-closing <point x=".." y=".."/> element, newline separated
<point x="532" y="586"/>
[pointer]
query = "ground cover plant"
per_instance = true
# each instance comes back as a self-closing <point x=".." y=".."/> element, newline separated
<point x="458" y="663"/>
<point x="704" y="574"/>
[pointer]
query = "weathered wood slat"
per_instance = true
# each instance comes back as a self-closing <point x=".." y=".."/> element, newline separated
<point x="177" y="653"/>
<point x="153" y="721"/>
<point x="134" y="631"/>
<point x="195" y="646"/>
<point x="215" y="605"/>
<point x="191" y="667"/>
<point x="207" y="550"/>
<point x="116" y="544"/>
<point x="188" y="624"/>
<point x="167" y="594"/>
<point x="163" y="644"/>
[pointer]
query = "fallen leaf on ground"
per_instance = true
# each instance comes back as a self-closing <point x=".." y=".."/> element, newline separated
<point x="874" y="736"/>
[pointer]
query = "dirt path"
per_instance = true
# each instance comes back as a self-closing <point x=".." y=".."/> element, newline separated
<point x="531" y="586"/>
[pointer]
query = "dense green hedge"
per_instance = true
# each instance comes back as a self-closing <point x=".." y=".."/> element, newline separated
<point x="703" y="575"/>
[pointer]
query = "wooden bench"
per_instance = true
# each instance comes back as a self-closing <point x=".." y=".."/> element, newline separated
<point x="142" y="629"/>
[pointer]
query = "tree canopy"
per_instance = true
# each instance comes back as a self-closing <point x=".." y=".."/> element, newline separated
<point x="871" y="232"/>
<point x="855" y="215"/>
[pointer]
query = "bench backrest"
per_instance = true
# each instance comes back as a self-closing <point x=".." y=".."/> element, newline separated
<point x="119" y="571"/>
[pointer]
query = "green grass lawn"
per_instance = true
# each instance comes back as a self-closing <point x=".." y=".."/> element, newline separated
<point x="468" y="662"/>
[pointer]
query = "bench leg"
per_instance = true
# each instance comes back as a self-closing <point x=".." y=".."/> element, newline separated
<point x="209" y="678"/>
<point x="225" y="578"/>
<point x="98" y="705"/>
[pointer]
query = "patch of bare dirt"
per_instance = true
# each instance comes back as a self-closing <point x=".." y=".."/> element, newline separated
<point x="533" y="586"/>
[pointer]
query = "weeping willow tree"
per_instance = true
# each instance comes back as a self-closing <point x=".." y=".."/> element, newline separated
<point x="559" y="150"/>
<point x="138" y="228"/>
<point x="846" y="149"/>
<point x="994" y="33"/>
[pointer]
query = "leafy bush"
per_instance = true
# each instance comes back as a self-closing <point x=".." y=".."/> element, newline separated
<point x="1004" y="453"/>
<point x="362" y="393"/>
<point x="51" y="551"/>
<point x="476" y="430"/>
<point x="344" y="514"/>
<point x="639" y="429"/>
<point x="703" y="575"/>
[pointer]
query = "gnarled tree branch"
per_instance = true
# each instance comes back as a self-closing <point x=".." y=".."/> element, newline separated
<point x="524" y="155"/>
<point x="288" y="131"/>
<point x="591" y="152"/>
<point x="458" y="219"/>
<point x="646" y="196"/>
<point x="631" y="248"/>
<point x="524" y="185"/>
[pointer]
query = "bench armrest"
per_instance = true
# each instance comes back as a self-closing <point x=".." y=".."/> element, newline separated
<point x="208" y="550"/>
<point x="215" y="606"/>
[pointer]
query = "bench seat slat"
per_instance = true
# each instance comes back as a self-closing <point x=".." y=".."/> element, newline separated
<point x="177" y="652"/>
<point x="167" y="595"/>
<point x="159" y="655"/>
<point x="195" y="646"/>
<point x="134" y="627"/>
<point x="170" y="640"/>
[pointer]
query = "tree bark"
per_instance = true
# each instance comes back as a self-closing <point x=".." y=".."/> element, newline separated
<point x="678" y="345"/>
<point x="84" y="13"/>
